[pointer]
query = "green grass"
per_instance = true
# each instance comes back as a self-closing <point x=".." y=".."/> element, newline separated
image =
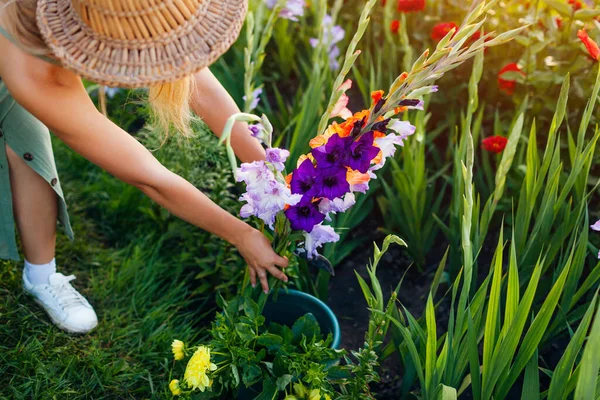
<point x="138" y="301"/>
<point x="151" y="278"/>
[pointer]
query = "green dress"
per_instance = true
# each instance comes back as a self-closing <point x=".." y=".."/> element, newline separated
<point x="30" y="139"/>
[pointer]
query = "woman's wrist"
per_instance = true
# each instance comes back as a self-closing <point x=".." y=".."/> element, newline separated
<point x="239" y="232"/>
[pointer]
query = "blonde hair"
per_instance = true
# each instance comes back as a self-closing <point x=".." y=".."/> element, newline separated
<point x="169" y="102"/>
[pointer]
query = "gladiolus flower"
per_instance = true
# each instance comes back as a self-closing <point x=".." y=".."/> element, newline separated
<point x="411" y="5"/>
<point x="291" y="10"/>
<point x="304" y="215"/>
<point x="196" y="371"/>
<point x="590" y="45"/>
<point x="376" y="96"/>
<point x="494" y="144"/>
<point x="177" y="347"/>
<point x="254" y="98"/>
<point x="508" y="85"/>
<point x="358" y="182"/>
<point x="320" y="235"/>
<point x="441" y="30"/>
<point x="395" y="26"/>
<point x="596" y="226"/>
<point x="174" y="387"/>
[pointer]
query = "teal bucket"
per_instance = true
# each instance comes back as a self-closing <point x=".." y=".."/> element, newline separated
<point x="288" y="306"/>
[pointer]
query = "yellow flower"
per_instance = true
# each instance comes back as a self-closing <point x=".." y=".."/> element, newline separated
<point x="327" y="397"/>
<point x="174" y="386"/>
<point x="177" y="347"/>
<point x="195" y="372"/>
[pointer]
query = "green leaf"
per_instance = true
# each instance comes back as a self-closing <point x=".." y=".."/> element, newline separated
<point x="245" y="331"/>
<point x="561" y="6"/>
<point x="269" y="391"/>
<point x="535" y="333"/>
<point x="251" y="374"/>
<point x="564" y="368"/>
<point x="235" y="373"/>
<point x="448" y="393"/>
<point x="590" y="363"/>
<point x="431" y="348"/>
<point x="251" y="308"/>
<point x="305" y="326"/>
<point x="270" y="341"/>
<point x="283" y="381"/>
<point x="531" y="383"/>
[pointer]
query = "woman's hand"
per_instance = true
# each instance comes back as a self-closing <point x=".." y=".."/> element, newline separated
<point x="258" y="253"/>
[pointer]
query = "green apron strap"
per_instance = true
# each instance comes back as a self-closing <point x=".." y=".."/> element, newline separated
<point x="7" y="35"/>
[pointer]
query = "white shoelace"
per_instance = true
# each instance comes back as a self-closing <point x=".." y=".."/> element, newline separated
<point x="65" y="294"/>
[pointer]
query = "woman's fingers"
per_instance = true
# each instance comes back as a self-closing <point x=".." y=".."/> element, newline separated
<point x="282" y="262"/>
<point x="262" y="275"/>
<point x="252" y="276"/>
<point x="277" y="273"/>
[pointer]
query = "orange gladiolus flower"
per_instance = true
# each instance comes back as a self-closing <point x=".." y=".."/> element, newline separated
<point x="376" y="96"/>
<point x="440" y="30"/>
<point x="395" y="26"/>
<point x="590" y="45"/>
<point x="508" y="85"/>
<point x="355" y="178"/>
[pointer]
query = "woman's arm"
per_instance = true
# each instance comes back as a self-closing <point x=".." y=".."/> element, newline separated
<point x="214" y="105"/>
<point x="58" y="99"/>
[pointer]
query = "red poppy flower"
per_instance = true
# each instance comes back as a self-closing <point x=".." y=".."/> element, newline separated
<point x="508" y="85"/>
<point x="411" y="5"/>
<point x="590" y="45"/>
<point x="494" y="144"/>
<point x="440" y="30"/>
<point x="383" y="3"/>
<point x="395" y="26"/>
<point x="576" y="4"/>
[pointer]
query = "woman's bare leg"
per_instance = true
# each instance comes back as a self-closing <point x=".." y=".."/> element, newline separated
<point x="35" y="207"/>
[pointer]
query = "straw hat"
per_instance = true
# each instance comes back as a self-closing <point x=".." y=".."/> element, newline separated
<point x="134" y="43"/>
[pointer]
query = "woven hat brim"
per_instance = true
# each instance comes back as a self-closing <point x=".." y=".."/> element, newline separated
<point x="140" y="62"/>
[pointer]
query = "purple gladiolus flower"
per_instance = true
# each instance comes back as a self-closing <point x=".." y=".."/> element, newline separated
<point x="320" y="235"/>
<point x="304" y="179"/>
<point x="596" y="226"/>
<point x="291" y="10"/>
<point x="333" y="153"/>
<point x="304" y="215"/>
<point x="332" y="182"/>
<point x="265" y="196"/>
<point x="254" y="98"/>
<point x="332" y="34"/>
<point x="256" y="130"/>
<point x="338" y="205"/>
<point x="362" y="152"/>
<point x="277" y="157"/>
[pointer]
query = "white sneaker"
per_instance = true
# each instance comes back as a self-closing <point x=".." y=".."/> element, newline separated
<point x="68" y="309"/>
